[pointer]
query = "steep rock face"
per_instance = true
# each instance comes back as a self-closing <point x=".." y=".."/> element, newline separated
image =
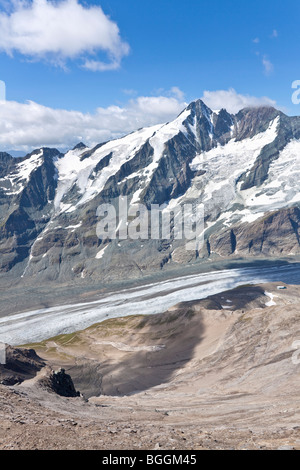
<point x="7" y="162"/>
<point x="27" y="192"/>
<point x="41" y="186"/>
<point x="244" y="169"/>
<point x="277" y="234"/>
<point x="252" y="121"/>
<point x="173" y="175"/>
<point x="223" y="123"/>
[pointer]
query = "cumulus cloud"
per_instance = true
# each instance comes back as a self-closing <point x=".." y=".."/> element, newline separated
<point x="233" y="101"/>
<point x="29" y="125"/>
<point x="60" y="31"/>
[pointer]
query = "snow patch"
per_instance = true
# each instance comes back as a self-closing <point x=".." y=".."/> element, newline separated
<point x="271" y="302"/>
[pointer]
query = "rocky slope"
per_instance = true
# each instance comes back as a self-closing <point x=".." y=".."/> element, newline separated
<point x="243" y="168"/>
<point x="211" y="374"/>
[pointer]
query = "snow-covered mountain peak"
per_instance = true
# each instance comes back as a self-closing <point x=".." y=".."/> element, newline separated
<point x="242" y="167"/>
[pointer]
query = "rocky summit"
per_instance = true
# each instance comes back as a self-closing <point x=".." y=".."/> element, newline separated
<point x="243" y="168"/>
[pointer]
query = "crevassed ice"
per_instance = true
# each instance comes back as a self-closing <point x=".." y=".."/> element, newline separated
<point x="218" y="188"/>
<point x="283" y="184"/>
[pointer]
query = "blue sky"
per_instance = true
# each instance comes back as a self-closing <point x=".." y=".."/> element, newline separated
<point x="167" y="48"/>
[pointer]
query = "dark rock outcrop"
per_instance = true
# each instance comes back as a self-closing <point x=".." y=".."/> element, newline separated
<point x="21" y="364"/>
<point x="24" y="364"/>
<point x="60" y="383"/>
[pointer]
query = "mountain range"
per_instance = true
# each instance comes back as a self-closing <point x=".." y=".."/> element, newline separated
<point x="243" y="168"/>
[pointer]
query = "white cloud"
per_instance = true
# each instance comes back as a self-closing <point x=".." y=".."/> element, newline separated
<point x="2" y="91"/>
<point x="61" y="30"/>
<point x="268" y="66"/>
<point x="29" y="125"/>
<point x="129" y="92"/>
<point x="274" y="33"/>
<point x="98" y="66"/>
<point x="178" y="93"/>
<point x="233" y="101"/>
<point x="256" y="41"/>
